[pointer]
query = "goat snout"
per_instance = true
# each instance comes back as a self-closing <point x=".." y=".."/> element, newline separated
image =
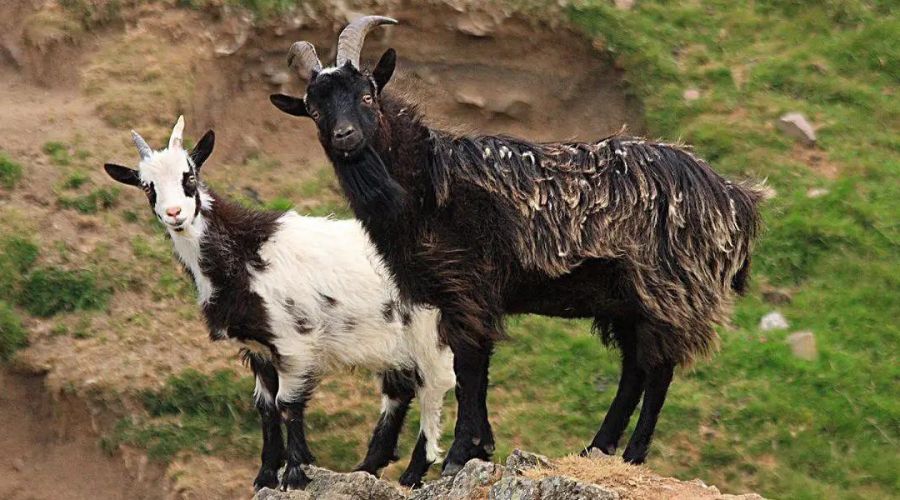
<point x="173" y="211"/>
<point x="346" y="137"/>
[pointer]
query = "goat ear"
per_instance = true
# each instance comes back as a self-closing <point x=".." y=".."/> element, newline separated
<point x="122" y="174"/>
<point x="203" y="148"/>
<point x="290" y="105"/>
<point x="385" y="68"/>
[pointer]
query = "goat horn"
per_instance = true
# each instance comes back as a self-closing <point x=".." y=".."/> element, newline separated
<point x="351" y="40"/>
<point x="143" y="149"/>
<point x="302" y="58"/>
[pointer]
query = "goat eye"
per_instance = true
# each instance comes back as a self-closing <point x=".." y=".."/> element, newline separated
<point x="367" y="99"/>
<point x="314" y="114"/>
<point x="146" y="188"/>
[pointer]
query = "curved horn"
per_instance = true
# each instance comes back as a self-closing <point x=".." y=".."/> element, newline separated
<point x="351" y="40"/>
<point x="143" y="149"/>
<point x="302" y="58"/>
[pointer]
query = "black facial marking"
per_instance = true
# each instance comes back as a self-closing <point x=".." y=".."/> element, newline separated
<point x="189" y="184"/>
<point x="387" y="310"/>
<point x="150" y="191"/>
<point x="328" y="300"/>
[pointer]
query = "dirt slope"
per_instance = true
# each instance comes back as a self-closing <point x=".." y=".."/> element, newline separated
<point x="83" y="86"/>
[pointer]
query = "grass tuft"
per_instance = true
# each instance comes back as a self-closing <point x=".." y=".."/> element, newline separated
<point x="10" y="172"/>
<point x="12" y="335"/>
<point x="17" y="255"/>
<point x="99" y="199"/>
<point x="49" y="291"/>
<point x="198" y="412"/>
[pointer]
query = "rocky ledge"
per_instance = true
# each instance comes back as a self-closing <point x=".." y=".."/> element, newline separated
<point x="525" y="476"/>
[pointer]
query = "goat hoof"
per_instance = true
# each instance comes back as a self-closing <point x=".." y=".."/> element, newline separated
<point x="267" y="478"/>
<point x="364" y="467"/>
<point x="634" y="457"/>
<point x="609" y="449"/>
<point x="451" y="468"/>
<point x="294" y="479"/>
<point x="411" y="480"/>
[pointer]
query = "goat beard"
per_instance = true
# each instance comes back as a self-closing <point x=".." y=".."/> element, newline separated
<point x="369" y="185"/>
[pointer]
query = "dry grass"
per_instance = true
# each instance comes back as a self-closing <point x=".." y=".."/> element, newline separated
<point x="151" y="84"/>
<point x="629" y="481"/>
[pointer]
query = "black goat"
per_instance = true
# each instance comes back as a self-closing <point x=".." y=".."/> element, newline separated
<point x="643" y="237"/>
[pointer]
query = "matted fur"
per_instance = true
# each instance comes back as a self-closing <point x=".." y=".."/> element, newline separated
<point x="683" y="231"/>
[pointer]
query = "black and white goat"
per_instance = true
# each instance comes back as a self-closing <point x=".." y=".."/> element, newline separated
<point x="304" y="296"/>
<point x="643" y="237"/>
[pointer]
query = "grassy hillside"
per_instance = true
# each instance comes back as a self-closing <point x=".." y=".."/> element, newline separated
<point x="754" y="417"/>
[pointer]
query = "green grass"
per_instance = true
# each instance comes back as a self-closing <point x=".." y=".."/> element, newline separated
<point x="75" y="180"/>
<point x="197" y="412"/>
<point x="99" y="199"/>
<point x="12" y="335"/>
<point x="49" y="291"/>
<point x="10" y="172"/>
<point x="58" y="153"/>
<point x="17" y="255"/>
<point x="755" y="417"/>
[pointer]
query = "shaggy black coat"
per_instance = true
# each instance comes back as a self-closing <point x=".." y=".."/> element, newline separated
<point x="620" y="230"/>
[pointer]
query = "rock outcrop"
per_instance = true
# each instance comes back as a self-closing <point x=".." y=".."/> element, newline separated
<point x="525" y="476"/>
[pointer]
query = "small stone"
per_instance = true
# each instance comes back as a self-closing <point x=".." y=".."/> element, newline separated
<point x="624" y="4"/>
<point x="691" y="95"/>
<point x="776" y="296"/>
<point x="18" y="464"/>
<point x="470" y="99"/>
<point x="817" y="192"/>
<point x="280" y="78"/>
<point x="520" y="460"/>
<point x="797" y="126"/>
<point x="512" y="107"/>
<point x="803" y="345"/>
<point x="474" y="25"/>
<point x="773" y="321"/>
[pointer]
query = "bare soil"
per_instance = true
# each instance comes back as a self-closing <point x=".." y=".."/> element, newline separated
<point x="51" y="449"/>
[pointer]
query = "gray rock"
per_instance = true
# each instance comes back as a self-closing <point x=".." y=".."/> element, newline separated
<point x="474" y="475"/>
<point x="515" y="488"/>
<point x="280" y="78"/>
<point x="773" y="321"/>
<point x="513" y="107"/>
<point x="476" y="25"/>
<point x="691" y="95"/>
<point x="803" y="345"/>
<point x="270" y="494"/>
<point x="549" y="488"/>
<point x="520" y="460"/>
<point x="470" y="99"/>
<point x="329" y="485"/>
<point x="797" y="126"/>
<point x="777" y="296"/>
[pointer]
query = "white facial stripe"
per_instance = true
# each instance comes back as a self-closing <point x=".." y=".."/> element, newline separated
<point x="166" y="169"/>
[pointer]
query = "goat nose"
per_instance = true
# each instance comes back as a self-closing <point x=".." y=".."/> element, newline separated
<point x="173" y="211"/>
<point x="343" y="132"/>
